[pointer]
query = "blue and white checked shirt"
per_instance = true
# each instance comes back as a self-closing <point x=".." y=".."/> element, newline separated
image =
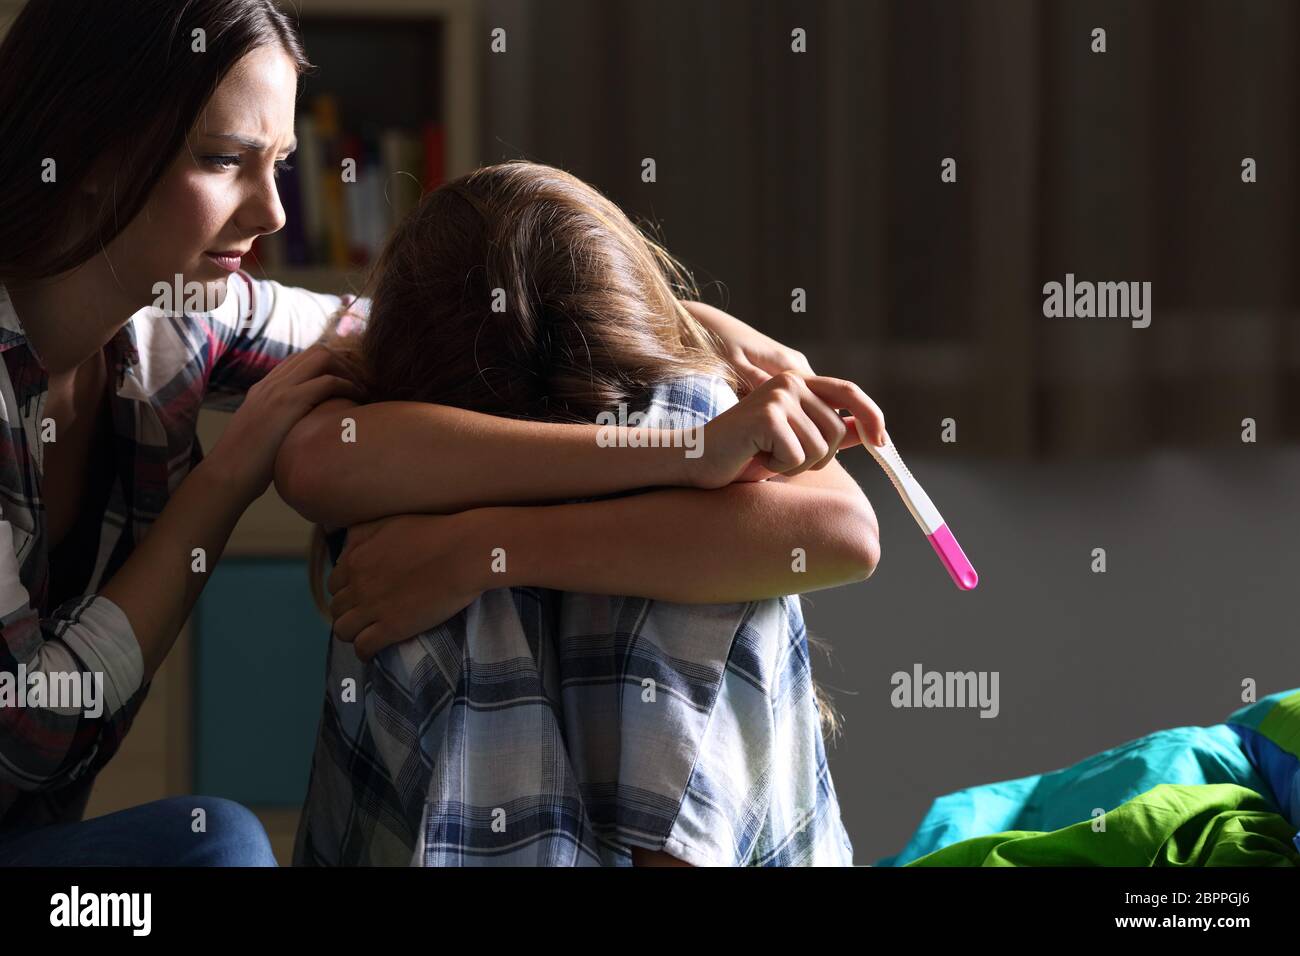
<point x="540" y="727"/>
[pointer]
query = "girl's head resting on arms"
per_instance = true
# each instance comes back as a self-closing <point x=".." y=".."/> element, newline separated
<point x="166" y="123"/>
<point x="588" y="314"/>
<point x="518" y="290"/>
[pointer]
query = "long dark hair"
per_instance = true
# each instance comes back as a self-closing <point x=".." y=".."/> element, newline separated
<point x="83" y="80"/>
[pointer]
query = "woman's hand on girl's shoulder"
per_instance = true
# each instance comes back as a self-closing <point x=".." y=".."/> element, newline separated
<point x="246" y="451"/>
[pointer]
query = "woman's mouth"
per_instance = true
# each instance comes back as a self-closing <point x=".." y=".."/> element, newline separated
<point x="226" y="260"/>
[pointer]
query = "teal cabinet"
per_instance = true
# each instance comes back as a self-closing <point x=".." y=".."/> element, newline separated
<point x="259" y="677"/>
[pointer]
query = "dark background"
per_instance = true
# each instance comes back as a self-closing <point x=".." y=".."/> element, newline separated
<point x="821" y="170"/>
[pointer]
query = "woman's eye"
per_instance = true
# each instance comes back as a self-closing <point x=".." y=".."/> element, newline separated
<point x="229" y="162"/>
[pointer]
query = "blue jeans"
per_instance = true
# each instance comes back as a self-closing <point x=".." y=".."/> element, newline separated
<point x="154" y="834"/>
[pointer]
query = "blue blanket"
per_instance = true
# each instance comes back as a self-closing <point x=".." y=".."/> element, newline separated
<point x="1257" y="747"/>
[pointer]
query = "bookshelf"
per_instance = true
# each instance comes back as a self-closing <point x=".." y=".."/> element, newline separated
<point x="402" y="136"/>
<point x="456" y="71"/>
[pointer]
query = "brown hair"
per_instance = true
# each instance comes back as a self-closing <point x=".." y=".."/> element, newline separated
<point x="81" y="80"/>
<point x="520" y="291"/>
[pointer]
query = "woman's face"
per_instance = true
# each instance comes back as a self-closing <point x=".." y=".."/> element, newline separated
<point x="220" y="191"/>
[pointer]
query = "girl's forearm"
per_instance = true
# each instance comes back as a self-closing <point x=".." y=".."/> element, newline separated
<point x="738" y="543"/>
<point x="414" y="457"/>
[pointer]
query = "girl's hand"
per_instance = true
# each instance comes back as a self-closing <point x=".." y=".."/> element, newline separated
<point x="245" y="453"/>
<point x="785" y="426"/>
<point x="755" y="357"/>
<point x="402" y="575"/>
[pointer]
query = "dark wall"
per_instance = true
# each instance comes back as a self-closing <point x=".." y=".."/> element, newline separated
<point x="822" y="171"/>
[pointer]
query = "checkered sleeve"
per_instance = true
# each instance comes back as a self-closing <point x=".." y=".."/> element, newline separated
<point x="88" y="642"/>
<point x="260" y="324"/>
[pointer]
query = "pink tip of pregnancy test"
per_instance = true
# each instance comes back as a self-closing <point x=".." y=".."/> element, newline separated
<point x="953" y="557"/>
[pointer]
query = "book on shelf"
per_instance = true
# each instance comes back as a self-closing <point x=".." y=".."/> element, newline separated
<point x="338" y="216"/>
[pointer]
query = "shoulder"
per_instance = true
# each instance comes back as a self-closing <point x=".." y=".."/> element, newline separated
<point x="251" y="302"/>
<point x="695" y="398"/>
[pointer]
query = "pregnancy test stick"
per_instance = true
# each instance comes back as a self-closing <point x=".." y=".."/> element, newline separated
<point x="923" y="510"/>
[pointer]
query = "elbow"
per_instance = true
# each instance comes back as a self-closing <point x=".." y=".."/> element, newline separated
<point x="869" y="556"/>
<point x="294" y="474"/>
<point x="863" y="546"/>
<point x="287" y="482"/>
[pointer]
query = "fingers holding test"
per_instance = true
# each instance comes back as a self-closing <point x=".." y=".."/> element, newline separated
<point x="839" y="393"/>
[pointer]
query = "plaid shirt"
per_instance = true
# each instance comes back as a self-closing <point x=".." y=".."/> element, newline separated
<point x="164" y="368"/>
<point x="539" y="727"/>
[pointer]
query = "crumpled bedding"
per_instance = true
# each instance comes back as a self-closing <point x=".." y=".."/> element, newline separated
<point x="1224" y="795"/>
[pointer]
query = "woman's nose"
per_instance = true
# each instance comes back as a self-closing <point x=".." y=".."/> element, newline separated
<point x="263" y="212"/>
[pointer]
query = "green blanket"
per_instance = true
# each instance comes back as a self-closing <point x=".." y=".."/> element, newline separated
<point x="1169" y="825"/>
<point x="1185" y="795"/>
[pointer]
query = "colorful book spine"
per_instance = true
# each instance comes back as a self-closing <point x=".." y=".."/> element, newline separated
<point x="354" y="202"/>
<point x="377" y="219"/>
<point x="308" y="165"/>
<point x="434" y="156"/>
<point x="294" y="234"/>
<point x="325" y="111"/>
<point x="402" y="156"/>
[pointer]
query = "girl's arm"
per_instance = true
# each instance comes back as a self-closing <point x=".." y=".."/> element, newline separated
<point x="434" y="459"/>
<point x="737" y="543"/>
<point x="414" y="457"/>
<point x="748" y="541"/>
<point x="352" y="463"/>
